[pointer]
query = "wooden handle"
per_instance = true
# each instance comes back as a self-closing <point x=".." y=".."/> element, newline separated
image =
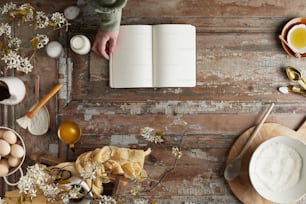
<point x="298" y="55"/>
<point x="44" y="100"/>
<point x="249" y="142"/>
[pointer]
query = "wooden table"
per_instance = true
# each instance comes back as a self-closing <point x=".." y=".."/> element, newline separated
<point x="240" y="65"/>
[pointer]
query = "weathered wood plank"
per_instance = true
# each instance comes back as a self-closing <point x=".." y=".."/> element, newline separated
<point x="243" y="67"/>
<point x="240" y="65"/>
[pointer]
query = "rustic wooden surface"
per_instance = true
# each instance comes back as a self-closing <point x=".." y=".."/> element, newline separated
<point x="241" y="186"/>
<point x="240" y="65"/>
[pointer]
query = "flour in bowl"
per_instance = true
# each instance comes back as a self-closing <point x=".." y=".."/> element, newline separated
<point x="278" y="167"/>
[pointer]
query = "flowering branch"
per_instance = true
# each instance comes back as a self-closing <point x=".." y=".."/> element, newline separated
<point x="178" y="154"/>
<point x="150" y="135"/>
<point x="10" y="45"/>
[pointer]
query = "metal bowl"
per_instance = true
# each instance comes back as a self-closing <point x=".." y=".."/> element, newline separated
<point x="20" y="142"/>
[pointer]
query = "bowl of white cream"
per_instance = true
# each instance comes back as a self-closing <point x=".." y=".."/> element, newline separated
<point x="277" y="169"/>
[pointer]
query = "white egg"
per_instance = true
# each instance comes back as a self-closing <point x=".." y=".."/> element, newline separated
<point x="10" y="137"/>
<point x="54" y="49"/>
<point x="13" y="161"/>
<point x="5" y="148"/>
<point x="17" y="151"/>
<point x="4" y="169"/>
<point x="71" y="12"/>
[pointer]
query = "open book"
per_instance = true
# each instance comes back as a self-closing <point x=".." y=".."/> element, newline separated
<point x="154" y="56"/>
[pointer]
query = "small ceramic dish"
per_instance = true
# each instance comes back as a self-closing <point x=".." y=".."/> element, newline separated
<point x="285" y="30"/>
<point x="277" y="169"/>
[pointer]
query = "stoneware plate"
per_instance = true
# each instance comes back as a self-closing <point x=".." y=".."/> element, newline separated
<point x="284" y="193"/>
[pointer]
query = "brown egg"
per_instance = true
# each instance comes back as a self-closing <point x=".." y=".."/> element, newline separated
<point x="9" y="136"/>
<point x="1" y="132"/>
<point x="4" y="161"/>
<point x="5" y="148"/>
<point x="13" y="161"/>
<point x="4" y="167"/>
<point x="17" y="151"/>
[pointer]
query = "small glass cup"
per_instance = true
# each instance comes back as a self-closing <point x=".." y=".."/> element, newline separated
<point x="296" y="38"/>
<point x="70" y="133"/>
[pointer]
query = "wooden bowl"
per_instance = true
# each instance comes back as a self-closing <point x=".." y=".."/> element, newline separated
<point x="286" y="28"/>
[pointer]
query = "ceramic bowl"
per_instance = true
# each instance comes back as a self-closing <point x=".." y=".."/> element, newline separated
<point x="285" y="30"/>
<point x="286" y="192"/>
<point x="72" y="12"/>
<point x="54" y="49"/>
<point x="80" y="44"/>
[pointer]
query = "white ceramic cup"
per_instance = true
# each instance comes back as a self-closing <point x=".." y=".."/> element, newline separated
<point x="80" y="44"/>
<point x="293" y="39"/>
<point x="54" y="49"/>
<point x="72" y="12"/>
<point x="16" y="89"/>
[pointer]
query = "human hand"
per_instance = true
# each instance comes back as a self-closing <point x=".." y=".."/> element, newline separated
<point x="105" y="43"/>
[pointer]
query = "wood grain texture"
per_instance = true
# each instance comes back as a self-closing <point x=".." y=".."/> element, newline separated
<point x="240" y="65"/>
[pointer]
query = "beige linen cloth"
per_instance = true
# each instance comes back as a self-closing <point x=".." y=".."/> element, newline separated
<point x="112" y="161"/>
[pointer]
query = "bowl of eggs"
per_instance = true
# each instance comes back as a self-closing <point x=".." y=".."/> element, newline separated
<point x="12" y="152"/>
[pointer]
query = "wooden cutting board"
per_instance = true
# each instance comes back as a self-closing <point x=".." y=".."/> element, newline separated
<point x="241" y="186"/>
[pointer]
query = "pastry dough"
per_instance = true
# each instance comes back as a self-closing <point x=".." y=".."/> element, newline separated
<point x="113" y="161"/>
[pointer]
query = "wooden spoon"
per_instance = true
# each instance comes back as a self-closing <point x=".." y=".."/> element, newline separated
<point x="232" y="169"/>
<point x="298" y="55"/>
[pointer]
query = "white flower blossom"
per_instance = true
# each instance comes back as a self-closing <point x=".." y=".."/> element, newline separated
<point x="107" y="200"/>
<point x="50" y="191"/>
<point x="141" y="201"/>
<point x="149" y="134"/>
<point x="176" y="152"/>
<point x="12" y="60"/>
<point x="14" y="43"/>
<point x="25" y="65"/>
<point x="6" y="29"/>
<point x="59" y="19"/>
<point x="7" y="7"/>
<point x="10" y="45"/>
<point x="89" y="172"/>
<point x="39" y="41"/>
<point x="42" y="21"/>
<point x="36" y="176"/>
<point x="136" y="190"/>
<point x="66" y="199"/>
<point x="29" y="12"/>
<point x="26" y="185"/>
<point x="74" y="192"/>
